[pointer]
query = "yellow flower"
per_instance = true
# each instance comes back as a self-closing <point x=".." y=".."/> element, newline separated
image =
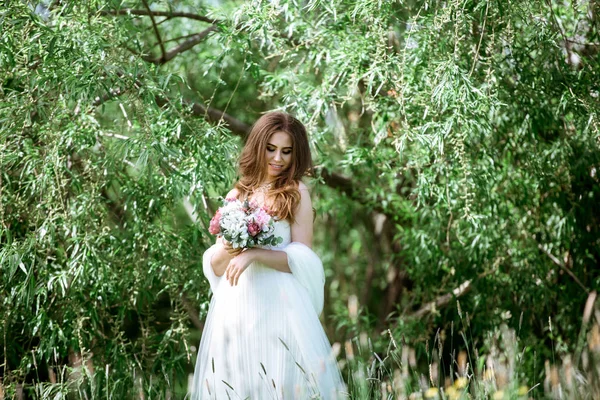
<point x="523" y="390"/>
<point x="488" y="375"/>
<point x="432" y="393"/>
<point x="499" y="395"/>
<point x="452" y="393"/>
<point x="461" y="383"/>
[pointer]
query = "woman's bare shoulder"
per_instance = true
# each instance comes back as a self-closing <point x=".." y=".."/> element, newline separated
<point x="233" y="193"/>
<point x="302" y="186"/>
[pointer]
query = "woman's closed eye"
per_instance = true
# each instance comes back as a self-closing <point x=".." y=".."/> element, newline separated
<point x="272" y="149"/>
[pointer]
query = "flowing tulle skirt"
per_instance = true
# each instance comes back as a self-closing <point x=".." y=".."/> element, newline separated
<point x="263" y="340"/>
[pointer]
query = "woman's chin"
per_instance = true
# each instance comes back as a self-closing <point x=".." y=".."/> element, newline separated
<point x="273" y="173"/>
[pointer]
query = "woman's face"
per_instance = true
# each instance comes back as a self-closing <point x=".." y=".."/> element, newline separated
<point x="278" y="154"/>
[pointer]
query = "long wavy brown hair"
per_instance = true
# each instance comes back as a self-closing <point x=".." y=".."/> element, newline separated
<point x="284" y="191"/>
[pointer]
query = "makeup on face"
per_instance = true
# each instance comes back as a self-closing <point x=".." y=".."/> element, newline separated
<point x="279" y="153"/>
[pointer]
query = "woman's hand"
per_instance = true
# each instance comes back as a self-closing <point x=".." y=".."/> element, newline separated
<point x="230" y="250"/>
<point x="237" y="265"/>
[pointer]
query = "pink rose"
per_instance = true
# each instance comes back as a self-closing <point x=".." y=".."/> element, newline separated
<point x="262" y="217"/>
<point x="253" y="229"/>
<point x="215" y="223"/>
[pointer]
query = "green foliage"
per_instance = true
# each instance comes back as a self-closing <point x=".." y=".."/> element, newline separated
<point x="465" y="133"/>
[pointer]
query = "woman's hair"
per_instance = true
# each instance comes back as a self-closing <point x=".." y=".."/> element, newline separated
<point x="252" y="162"/>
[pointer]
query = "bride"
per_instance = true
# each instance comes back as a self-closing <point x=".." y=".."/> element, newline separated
<point x="263" y="338"/>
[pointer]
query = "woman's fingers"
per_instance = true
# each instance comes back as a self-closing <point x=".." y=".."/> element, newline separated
<point x="230" y="272"/>
<point x="227" y="271"/>
<point x="233" y="272"/>
<point x="230" y="249"/>
<point x="236" y="277"/>
<point x="233" y="252"/>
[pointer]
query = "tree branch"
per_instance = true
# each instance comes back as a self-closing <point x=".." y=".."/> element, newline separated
<point x="156" y="31"/>
<point x="107" y="96"/>
<point x="443" y="300"/>
<point x="191" y="311"/>
<point x="171" y="40"/>
<point x="214" y="116"/>
<point x="339" y="182"/>
<point x="168" y="14"/>
<point x="188" y="44"/>
<point x="115" y="92"/>
<point x="563" y="267"/>
<point x="347" y="186"/>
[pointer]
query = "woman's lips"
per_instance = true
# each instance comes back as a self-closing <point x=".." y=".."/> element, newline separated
<point x="275" y="166"/>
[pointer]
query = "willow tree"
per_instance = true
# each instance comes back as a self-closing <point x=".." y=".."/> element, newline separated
<point x="456" y="144"/>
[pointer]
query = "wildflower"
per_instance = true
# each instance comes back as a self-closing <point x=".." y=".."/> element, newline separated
<point x="432" y="393"/>
<point x="452" y="393"/>
<point x="349" y="350"/>
<point x="461" y="382"/>
<point x="499" y="395"/>
<point x="523" y="390"/>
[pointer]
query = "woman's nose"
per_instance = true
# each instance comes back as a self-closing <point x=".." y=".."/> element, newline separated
<point x="277" y="156"/>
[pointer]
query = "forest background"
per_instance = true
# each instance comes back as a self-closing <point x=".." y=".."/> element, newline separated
<point x="457" y="149"/>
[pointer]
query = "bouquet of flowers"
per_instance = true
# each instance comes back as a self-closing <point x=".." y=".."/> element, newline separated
<point x="244" y="224"/>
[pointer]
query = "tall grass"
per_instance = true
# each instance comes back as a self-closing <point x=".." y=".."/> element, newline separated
<point x="465" y="373"/>
<point x="497" y="370"/>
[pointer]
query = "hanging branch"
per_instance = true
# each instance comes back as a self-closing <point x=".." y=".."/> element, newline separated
<point x="213" y="116"/>
<point x="557" y="262"/>
<point x="156" y="31"/>
<point x="188" y="44"/>
<point x="240" y="128"/>
<point x="168" y="14"/>
<point x="116" y="92"/>
<point x="443" y="300"/>
<point x="172" y="40"/>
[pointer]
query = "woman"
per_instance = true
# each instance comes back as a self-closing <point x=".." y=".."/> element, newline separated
<point x="263" y="338"/>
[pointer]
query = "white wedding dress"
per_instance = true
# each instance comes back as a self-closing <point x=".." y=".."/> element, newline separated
<point x="262" y="338"/>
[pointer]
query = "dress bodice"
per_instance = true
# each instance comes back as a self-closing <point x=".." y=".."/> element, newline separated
<point x="282" y="230"/>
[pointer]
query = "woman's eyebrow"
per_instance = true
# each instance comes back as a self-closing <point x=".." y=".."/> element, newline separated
<point x="271" y="144"/>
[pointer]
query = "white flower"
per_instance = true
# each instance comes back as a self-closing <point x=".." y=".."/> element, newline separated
<point x="235" y="221"/>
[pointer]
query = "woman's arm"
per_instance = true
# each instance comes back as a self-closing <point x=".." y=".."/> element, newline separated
<point x="301" y="231"/>
<point x="302" y="228"/>
<point x="271" y="258"/>
<point x="221" y="258"/>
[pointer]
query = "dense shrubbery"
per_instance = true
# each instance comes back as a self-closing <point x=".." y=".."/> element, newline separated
<point x="457" y="146"/>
